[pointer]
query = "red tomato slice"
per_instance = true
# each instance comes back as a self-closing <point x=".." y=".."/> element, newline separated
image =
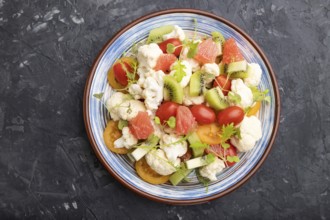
<point x="166" y="110"/>
<point x="231" y="52"/>
<point x="185" y="121"/>
<point x="223" y="83"/>
<point x="175" y="41"/>
<point x="222" y="153"/>
<point x="207" y="51"/>
<point x="203" y="114"/>
<point x="232" y="114"/>
<point x="120" y="73"/>
<point x="140" y="126"/>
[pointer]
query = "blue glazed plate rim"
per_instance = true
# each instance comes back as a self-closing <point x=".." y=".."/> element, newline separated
<point x="92" y="138"/>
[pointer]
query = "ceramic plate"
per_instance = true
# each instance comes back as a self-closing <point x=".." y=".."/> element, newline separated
<point x="95" y="115"/>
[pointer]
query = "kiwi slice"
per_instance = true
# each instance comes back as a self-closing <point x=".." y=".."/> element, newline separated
<point x="156" y="35"/>
<point x="237" y="75"/>
<point x="222" y="68"/>
<point x="237" y="66"/>
<point x="196" y="84"/>
<point x="172" y="90"/>
<point x="216" y="99"/>
<point x="217" y="36"/>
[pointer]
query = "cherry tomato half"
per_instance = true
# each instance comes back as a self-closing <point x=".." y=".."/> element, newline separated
<point x="166" y="110"/>
<point x="232" y="114"/>
<point x="223" y="83"/>
<point x="121" y="68"/>
<point x="203" y="114"/>
<point x="175" y="41"/>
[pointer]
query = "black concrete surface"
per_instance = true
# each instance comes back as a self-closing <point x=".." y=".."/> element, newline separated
<point x="47" y="167"/>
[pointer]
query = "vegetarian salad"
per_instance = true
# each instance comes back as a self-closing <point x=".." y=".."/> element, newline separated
<point x="183" y="104"/>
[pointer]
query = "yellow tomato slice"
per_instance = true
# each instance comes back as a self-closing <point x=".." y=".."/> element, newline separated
<point x="110" y="134"/>
<point x="111" y="74"/>
<point x="209" y="134"/>
<point x="254" y="110"/>
<point x="148" y="174"/>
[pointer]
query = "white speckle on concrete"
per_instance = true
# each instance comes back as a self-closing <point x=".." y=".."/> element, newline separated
<point x="324" y="193"/>
<point x="36" y="17"/>
<point x="61" y="19"/>
<point x="66" y="206"/>
<point x="74" y="205"/>
<point x="260" y="11"/>
<point x="49" y="15"/>
<point x="24" y="63"/>
<point x="285" y="180"/>
<point x="18" y="128"/>
<point x="1" y="3"/>
<point x="60" y="39"/>
<point x="2" y="21"/>
<point x="39" y="27"/>
<point x="272" y="8"/>
<point x="276" y="33"/>
<point x="17" y="14"/>
<point x="77" y="20"/>
<point x="179" y="216"/>
<point x="73" y="187"/>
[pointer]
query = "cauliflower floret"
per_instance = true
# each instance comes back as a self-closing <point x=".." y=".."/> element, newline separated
<point x="173" y="147"/>
<point x="114" y="102"/>
<point x="144" y="73"/>
<point x="135" y="90"/>
<point x="193" y="63"/>
<point x="130" y="108"/>
<point x="191" y="100"/>
<point x="126" y="140"/>
<point x="238" y="87"/>
<point x="157" y="160"/>
<point x="210" y="171"/>
<point x="188" y="71"/>
<point x="254" y="74"/>
<point x="211" y="68"/>
<point x="153" y="92"/>
<point x="176" y="33"/>
<point x="148" y="55"/>
<point x="250" y="130"/>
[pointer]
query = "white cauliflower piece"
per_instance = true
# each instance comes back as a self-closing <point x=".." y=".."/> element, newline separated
<point x="153" y="92"/>
<point x="126" y="140"/>
<point x="210" y="171"/>
<point x="176" y="33"/>
<point x="212" y="69"/>
<point x="135" y="90"/>
<point x="250" y="130"/>
<point x="254" y="74"/>
<point x="173" y="147"/>
<point x="130" y="108"/>
<point x="192" y="100"/>
<point x="193" y="63"/>
<point x="148" y="55"/>
<point x="238" y="87"/>
<point x="114" y="102"/>
<point x="188" y="72"/>
<point x="157" y="160"/>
